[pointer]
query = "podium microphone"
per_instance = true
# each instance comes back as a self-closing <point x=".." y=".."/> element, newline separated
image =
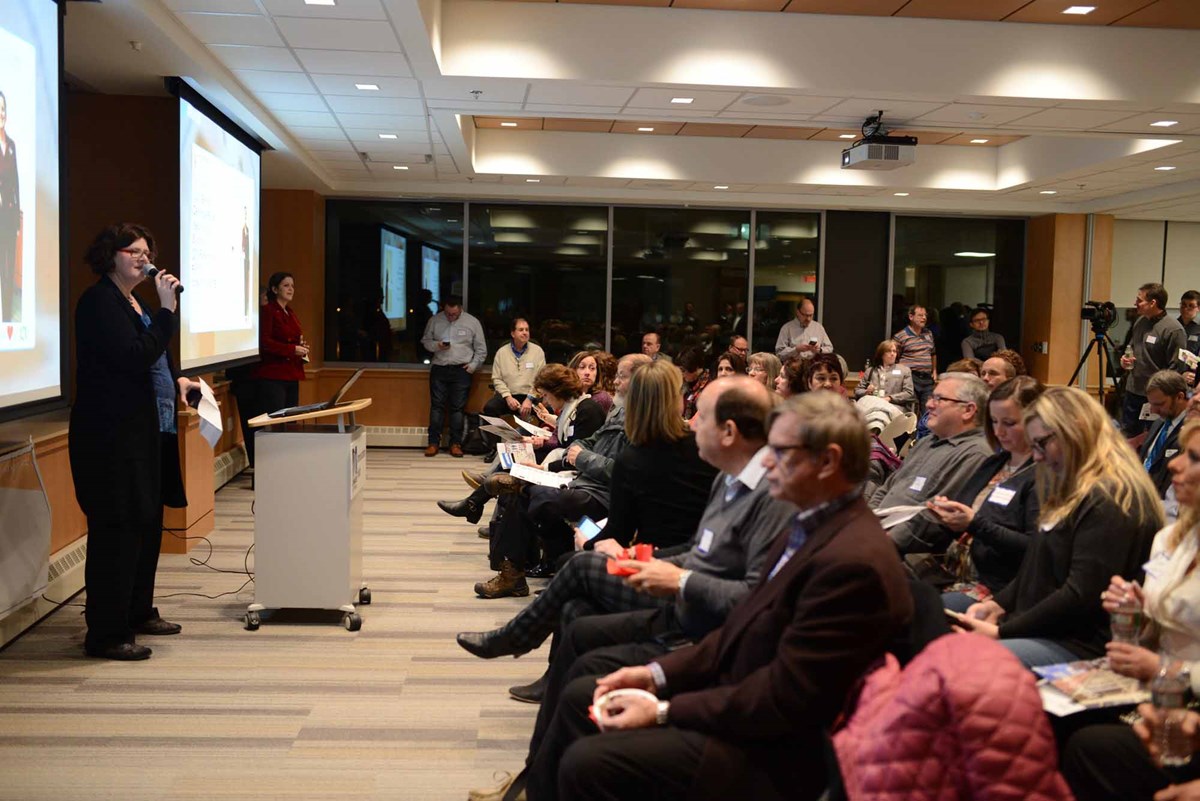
<point x="150" y="271"/>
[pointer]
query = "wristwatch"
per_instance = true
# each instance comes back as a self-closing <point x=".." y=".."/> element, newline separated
<point x="660" y="716"/>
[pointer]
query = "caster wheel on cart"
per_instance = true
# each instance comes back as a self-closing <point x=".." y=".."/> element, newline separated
<point x="253" y="621"/>
<point x="364" y="596"/>
<point x="352" y="621"/>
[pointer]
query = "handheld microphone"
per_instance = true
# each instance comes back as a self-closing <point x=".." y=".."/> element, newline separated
<point x="150" y="271"/>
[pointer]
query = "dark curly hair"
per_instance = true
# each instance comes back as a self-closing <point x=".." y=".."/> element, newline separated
<point x="736" y="360"/>
<point x="793" y="371"/>
<point x="102" y="253"/>
<point x="559" y="380"/>
<point x="829" y="361"/>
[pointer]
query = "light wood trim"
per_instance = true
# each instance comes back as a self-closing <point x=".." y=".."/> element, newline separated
<point x="346" y="407"/>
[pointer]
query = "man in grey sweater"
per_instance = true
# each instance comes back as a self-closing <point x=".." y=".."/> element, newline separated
<point x="689" y="591"/>
<point x="939" y="464"/>
<point x="1154" y="344"/>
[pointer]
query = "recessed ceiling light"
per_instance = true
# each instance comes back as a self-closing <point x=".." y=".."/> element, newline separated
<point x="1163" y="169"/>
<point x="683" y="101"/>
<point x="533" y="180"/>
<point x="974" y="254"/>
<point x="387" y="136"/>
<point x="1079" y="10"/>
<point x="319" y="2"/>
<point x="399" y="167"/>
<point x="900" y="194"/>
<point x="721" y="186"/>
<point x="645" y="130"/>
<point x="1048" y="192"/>
<point x="980" y="141"/>
<point x="367" y="87"/>
<point x="1164" y="123"/>
<point x="847" y="136"/>
<point x="508" y="125"/>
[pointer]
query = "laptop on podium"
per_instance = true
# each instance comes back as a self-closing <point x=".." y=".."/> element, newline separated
<point x="292" y="411"/>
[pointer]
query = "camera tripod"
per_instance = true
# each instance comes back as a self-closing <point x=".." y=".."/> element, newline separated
<point x="1104" y="347"/>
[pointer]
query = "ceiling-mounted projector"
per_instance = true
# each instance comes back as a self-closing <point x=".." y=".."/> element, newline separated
<point x="878" y="151"/>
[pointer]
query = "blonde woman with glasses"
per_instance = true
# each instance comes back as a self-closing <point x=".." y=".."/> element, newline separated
<point x="1099" y="513"/>
<point x="764" y="368"/>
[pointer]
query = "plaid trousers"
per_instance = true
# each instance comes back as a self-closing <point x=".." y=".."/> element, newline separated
<point x="583" y="586"/>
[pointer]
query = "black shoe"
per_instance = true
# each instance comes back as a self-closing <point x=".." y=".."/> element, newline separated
<point x="156" y="625"/>
<point x="464" y="508"/>
<point x="488" y="644"/>
<point x="121" y="652"/>
<point x="485" y="532"/>
<point x="540" y="570"/>
<point x="529" y="693"/>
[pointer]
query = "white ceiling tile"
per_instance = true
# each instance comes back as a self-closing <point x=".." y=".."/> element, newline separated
<point x="598" y="183"/>
<point x="339" y="34"/>
<point x="792" y="105"/>
<point x="315" y="119"/>
<point x="474" y="106"/>
<point x="335" y="156"/>
<point x="473" y="178"/>
<point x="238" y="57"/>
<point x="347" y="62"/>
<point x="345" y="9"/>
<point x="972" y="114"/>
<point x="894" y="111"/>
<point x="707" y="186"/>
<point x="1188" y="123"/>
<point x="1107" y="105"/>
<point x="231" y="29"/>
<point x="569" y="93"/>
<point x="1071" y="119"/>
<point x="542" y="180"/>
<point x="388" y="87"/>
<point x="702" y="100"/>
<point x="990" y="100"/>
<point x="367" y="103"/>
<point x="279" y="101"/>
<point x="404" y="139"/>
<point x="440" y="148"/>
<point x="495" y="90"/>
<point x="215" y="6"/>
<point x="666" y="115"/>
<point x="304" y="132"/>
<point x="379" y="149"/>
<point x="384" y="123"/>
<point x="663" y="185"/>
<point x="554" y="110"/>
<point x="414" y="170"/>
<point x="259" y="81"/>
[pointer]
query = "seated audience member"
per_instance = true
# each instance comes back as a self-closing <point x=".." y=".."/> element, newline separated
<point x="514" y="367"/>
<point x="730" y="363"/>
<point x="790" y="380"/>
<point x="1099" y="512"/>
<point x="764" y="368"/>
<point x="739" y="345"/>
<point x="652" y="347"/>
<point x="744" y="713"/>
<point x="886" y="380"/>
<point x="695" y="378"/>
<point x="659" y="483"/>
<point x="823" y="371"/>
<point x="1001" y="367"/>
<point x="981" y="343"/>
<point x="575" y="417"/>
<point x="718" y="568"/>
<point x="970" y="366"/>
<point x="598" y="386"/>
<point x="992" y="517"/>
<point x="1107" y="761"/>
<point x="1166" y="393"/>
<point x="942" y="463"/>
<point x="804" y="335"/>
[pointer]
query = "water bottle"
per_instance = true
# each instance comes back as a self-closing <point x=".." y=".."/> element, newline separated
<point x="1126" y="620"/>
<point x="1168" y="693"/>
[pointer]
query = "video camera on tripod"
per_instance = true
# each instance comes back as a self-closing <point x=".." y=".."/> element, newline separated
<point x="1101" y="314"/>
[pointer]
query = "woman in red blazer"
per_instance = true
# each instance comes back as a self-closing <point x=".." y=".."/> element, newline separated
<point x="280" y="346"/>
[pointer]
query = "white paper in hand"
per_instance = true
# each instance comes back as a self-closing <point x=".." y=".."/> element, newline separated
<point x="536" y="476"/>
<point x="533" y="430"/>
<point x="210" y="415"/>
<point x="895" y="515"/>
<point x="1189" y="358"/>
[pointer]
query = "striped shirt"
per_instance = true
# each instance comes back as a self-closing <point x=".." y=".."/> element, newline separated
<point x="915" y="350"/>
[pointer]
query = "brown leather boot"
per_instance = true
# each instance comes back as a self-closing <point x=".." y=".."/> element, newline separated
<point x="509" y="582"/>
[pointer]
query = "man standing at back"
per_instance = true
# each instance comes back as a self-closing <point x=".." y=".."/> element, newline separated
<point x="1154" y="344"/>
<point x="456" y="341"/>
<point x="652" y="347"/>
<point x="917" y="353"/>
<point x="804" y="335"/>
<point x="1189" y="318"/>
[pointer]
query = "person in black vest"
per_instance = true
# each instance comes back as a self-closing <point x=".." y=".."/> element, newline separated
<point x="123" y="444"/>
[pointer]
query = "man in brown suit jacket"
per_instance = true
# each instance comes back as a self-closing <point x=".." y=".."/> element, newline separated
<point x="743" y="713"/>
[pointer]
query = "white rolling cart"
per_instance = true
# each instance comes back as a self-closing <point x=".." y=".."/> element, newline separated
<point x="309" y="474"/>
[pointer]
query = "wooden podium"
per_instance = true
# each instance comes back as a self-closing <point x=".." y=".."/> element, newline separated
<point x="309" y="474"/>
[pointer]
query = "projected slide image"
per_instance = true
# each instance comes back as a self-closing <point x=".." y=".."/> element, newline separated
<point x="18" y="160"/>
<point x="222" y="197"/>
<point x="431" y="263"/>
<point x="392" y="255"/>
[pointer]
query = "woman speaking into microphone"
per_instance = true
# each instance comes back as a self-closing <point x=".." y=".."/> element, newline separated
<point x="123" y="445"/>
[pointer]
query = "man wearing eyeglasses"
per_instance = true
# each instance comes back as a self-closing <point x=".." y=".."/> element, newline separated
<point x="939" y="464"/>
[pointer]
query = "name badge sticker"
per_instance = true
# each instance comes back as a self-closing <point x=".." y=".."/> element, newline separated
<point x="1002" y="496"/>
<point x="705" y="541"/>
<point x="918" y="484"/>
<point x="528" y="365"/>
<point x="896" y="371"/>
<point x="1151" y="339"/>
<point x="1146" y="414"/>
